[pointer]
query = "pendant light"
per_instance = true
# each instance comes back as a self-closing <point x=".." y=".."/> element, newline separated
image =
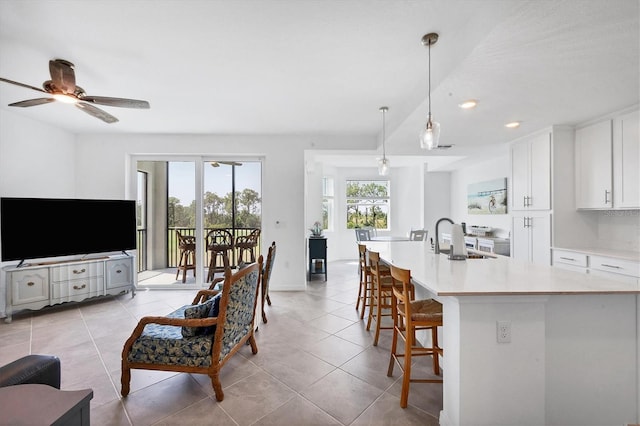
<point x="383" y="163"/>
<point x="430" y="135"/>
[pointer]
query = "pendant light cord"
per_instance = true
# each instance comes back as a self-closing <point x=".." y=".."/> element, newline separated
<point x="384" y="155"/>
<point x="429" y="80"/>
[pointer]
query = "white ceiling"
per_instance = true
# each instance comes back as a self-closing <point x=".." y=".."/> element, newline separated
<point x="325" y="67"/>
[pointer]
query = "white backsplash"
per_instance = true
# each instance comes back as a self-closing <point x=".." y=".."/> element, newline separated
<point x="619" y="230"/>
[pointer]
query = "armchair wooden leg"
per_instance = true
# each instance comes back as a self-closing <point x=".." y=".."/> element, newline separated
<point x="125" y="378"/>
<point x="217" y="386"/>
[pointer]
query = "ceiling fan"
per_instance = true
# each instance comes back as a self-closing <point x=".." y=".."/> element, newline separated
<point x="228" y="163"/>
<point x="62" y="87"/>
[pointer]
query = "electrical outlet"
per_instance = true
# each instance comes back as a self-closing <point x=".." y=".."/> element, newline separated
<point x="503" y="329"/>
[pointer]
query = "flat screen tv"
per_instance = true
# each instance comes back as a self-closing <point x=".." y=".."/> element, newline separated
<point x="34" y="228"/>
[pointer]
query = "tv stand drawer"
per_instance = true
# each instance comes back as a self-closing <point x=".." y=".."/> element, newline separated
<point x="76" y="271"/>
<point x="76" y="290"/>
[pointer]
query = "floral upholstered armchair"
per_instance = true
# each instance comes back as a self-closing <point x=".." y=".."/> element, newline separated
<point x="201" y="337"/>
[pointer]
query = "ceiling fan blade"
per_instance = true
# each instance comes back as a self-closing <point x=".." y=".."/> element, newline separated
<point x="32" y="102"/>
<point x="116" y="102"/>
<point x="62" y="75"/>
<point x="97" y="112"/>
<point x="21" y="84"/>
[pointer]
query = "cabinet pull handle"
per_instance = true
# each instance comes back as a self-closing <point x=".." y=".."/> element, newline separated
<point x="118" y="271"/>
<point x="524" y="201"/>
<point x="611" y="266"/>
<point x="528" y="201"/>
<point x="81" y="271"/>
<point x="606" y="196"/>
<point x="31" y="283"/>
<point x="75" y="287"/>
<point x="568" y="258"/>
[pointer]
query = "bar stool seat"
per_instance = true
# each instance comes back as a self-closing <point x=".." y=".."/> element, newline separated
<point x="187" y="261"/>
<point x="247" y="243"/>
<point x="219" y="243"/>
<point x="381" y="306"/>
<point x="410" y="316"/>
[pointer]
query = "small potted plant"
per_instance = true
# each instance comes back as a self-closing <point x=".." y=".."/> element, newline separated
<point x="316" y="230"/>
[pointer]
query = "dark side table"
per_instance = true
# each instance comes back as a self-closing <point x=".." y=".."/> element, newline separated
<point x="317" y="256"/>
<point x="44" y="405"/>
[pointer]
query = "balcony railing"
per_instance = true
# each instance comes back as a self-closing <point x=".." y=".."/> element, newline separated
<point x="173" y="252"/>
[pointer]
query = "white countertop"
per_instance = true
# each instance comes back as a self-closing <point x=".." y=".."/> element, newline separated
<point x="618" y="254"/>
<point x="485" y="277"/>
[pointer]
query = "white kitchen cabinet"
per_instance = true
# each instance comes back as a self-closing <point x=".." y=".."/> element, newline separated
<point x="531" y="173"/>
<point x="599" y="262"/>
<point x="531" y="237"/>
<point x="594" y="166"/>
<point x="626" y="161"/>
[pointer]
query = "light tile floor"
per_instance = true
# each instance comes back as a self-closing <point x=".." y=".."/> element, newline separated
<point x="315" y="363"/>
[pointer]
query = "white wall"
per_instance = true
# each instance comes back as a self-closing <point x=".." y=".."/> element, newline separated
<point x="36" y="160"/>
<point x="460" y="179"/>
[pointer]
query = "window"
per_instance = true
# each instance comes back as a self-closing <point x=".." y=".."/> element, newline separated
<point x="327" y="203"/>
<point x="368" y="204"/>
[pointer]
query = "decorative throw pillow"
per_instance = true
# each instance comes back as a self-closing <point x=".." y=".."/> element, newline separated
<point x="196" y="311"/>
<point x="213" y="312"/>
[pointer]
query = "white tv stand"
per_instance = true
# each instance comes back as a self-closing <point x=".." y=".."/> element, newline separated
<point x="36" y="285"/>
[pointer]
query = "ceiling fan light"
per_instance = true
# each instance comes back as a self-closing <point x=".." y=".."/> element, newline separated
<point x="383" y="166"/>
<point x="67" y="99"/>
<point x="430" y="135"/>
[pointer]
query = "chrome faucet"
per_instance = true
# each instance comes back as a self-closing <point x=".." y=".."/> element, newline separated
<point x="437" y="245"/>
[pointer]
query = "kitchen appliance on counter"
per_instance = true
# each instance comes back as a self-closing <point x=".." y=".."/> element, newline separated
<point x="501" y="246"/>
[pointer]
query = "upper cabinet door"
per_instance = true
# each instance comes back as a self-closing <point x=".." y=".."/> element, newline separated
<point x="540" y="198"/>
<point x="531" y="174"/>
<point x="594" y="173"/>
<point x="626" y="161"/>
<point x="519" y="175"/>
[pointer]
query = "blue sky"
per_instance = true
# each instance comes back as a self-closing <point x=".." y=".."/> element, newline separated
<point x="217" y="179"/>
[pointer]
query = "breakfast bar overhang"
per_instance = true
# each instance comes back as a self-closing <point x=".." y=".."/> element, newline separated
<point x="574" y="351"/>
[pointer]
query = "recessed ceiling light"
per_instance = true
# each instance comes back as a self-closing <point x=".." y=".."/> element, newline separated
<point x="513" y="124"/>
<point x="471" y="103"/>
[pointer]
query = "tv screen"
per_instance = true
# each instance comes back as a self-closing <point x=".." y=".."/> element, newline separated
<point x="33" y="228"/>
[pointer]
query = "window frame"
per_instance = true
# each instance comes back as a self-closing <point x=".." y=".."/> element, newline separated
<point x="368" y="202"/>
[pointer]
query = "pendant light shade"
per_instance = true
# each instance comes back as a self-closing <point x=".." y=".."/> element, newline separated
<point x="430" y="134"/>
<point x="383" y="163"/>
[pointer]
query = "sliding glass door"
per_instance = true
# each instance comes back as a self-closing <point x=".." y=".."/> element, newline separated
<point x="189" y="197"/>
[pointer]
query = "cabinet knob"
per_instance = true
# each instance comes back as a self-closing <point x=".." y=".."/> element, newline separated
<point x="118" y="271"/>
<point x="31" y="283"/>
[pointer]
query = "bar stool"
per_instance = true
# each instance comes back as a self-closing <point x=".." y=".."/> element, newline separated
<point x="382" y="282"/>
<point x="187" y="247"/>
<point x="364" y="290"/>
<point x="408" y="317"/>
<point x="248" y="243"/>
<point x="219" y="242"/>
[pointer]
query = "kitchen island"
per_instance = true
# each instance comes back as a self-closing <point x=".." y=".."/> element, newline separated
<point x="574" y="352"/>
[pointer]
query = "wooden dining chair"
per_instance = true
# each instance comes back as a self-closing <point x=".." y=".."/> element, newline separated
<point x="410" y="316"/>
<point x="418" y="235"/>
<point x="381" y="306"/>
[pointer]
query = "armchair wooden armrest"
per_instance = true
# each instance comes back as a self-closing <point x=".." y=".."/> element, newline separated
<point x="204" y="295"/>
